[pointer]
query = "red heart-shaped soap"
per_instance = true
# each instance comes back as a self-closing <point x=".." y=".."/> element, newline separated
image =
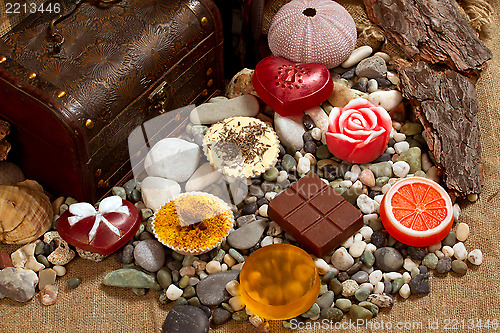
<point x="102" y="231"/>
<point x="290" y="88"/>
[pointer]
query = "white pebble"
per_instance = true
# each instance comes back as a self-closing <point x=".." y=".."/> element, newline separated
<point x="366" y="232"/>
<point x="368" y="270"/>
<point x="367" y="285"/>
<point x="399" y="137"/>
<point x="224" y="267"/>
<point x="202" y="275"/>
<point x="463" y="231"/>
<point x="448" y="251"/>
<point x="173" y="292"/>
<point x="282" y="176"/>
<point x="434" y="247"/>
<point x="379" y="288"/>
<point x="392" y="276"/>
<point x="193" y="281"/>
<point x="386" y="188"/>
<point x="263" y="210"/>
<point x="439" y="254"/>
<point x="236" y="303"/>
<point x="370" y="218"/>
<point x="233" y="288"/>
<point x="409" y="264"/>
<point x="60" y="270"/>
<point x="255" y="320"/>
<point x="316" y="133"/>
<point x="277" y="240"/>
<point x="405" y="291"/>
<point x="342" y="260"/>
<point x="393" y="131"/>
<point x="372" y="86"/>
<point x="271" y="195"/>
<point x="298" y="156"/>
<point x="401" y="147"/>
<point x="426" y="162"/>
<point x="375" y="277"/>
<point x="357" y="249"/>
<point x="460" y="251"/>
<point x="472" y="197"/>
<point x="355" y="172"/>
<point x="358" y="237"/>
<point x="365" y="204"/>
<point x="378" y="198"/>
<point x="456" y="212"/>
<point x="396" y="125"/>
<point x="268" y="240"/>
<point x="383" y="55"/>
<point x="401" y="169"/>
<point x="357" y="184"/>
<point x="304" y="165"/>
<point x="357" y="55"/>
<point x="406" y="277"/>
<point x="237" y="267"/>
<point x="345" y="183"/>
<point x="229" y="260"/>
<point x="370" y="247"/>
<point x="348" y="242"/>
<point x="475" y="257"/>
<point x="390" y="150"/>
<point x="213" y="267"/>
<point x="394" y="78"/>
<point x="322" y="266"/>
<point x="389" y="99"/>
<point x="311" y="158"/>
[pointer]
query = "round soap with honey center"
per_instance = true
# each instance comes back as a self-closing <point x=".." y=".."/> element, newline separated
<point x="279" y="282"/>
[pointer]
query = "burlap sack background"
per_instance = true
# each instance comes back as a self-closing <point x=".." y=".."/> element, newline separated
<point x="93" y="307"/>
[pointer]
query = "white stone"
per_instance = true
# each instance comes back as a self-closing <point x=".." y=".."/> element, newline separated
<point x="379" y="288"/>
<point x="173" y="292"/>
<point x="268" y="240"/>
<point x="401" y="147"/>
<point x="394" y="78"/>
<point x="439" y="254"/>
<point x="448" y="251"/>
<point x="396" y="125"/>
<point x="210" y="113"/>
<point x="229" y="260"/>
<point x="357" y="55"/>
<point x="203" y="177"/>
<point x="355" y="172"/>
<point x="348" y="242"/>
<point x="399" y="137"/>
<point x="320" y="119"/>
<point x="236" y="303"/>
<point x="456" y="212"/>
<point x="370" y="247"/>
<point x="389" y="100"/>
<point x="383" y="55"/>
<point x="357" y="249"/>
<point x="311" y="158"/>
<point x="392" y="276"/>
<point x="390" y="150"/>
<point x="401" y="169"/>
<point x="368" y="270"/>
<point x="358" y="237"/>
<point x="462" y="231"/>
<point x="60" y="270"/>
<point x="357" y="184"/>
<point x="255" y="320"/>
<point x="322" y="266"/>
<point x="271" y="195"/>
<point x="213" y="267"/>
<point x="341" y="259"/>
<point x="365" y="204"/>
<point x="409" y="264"/>
<point x="367" y="285"/>
<point x="233" y="288"/>
<point x="172" y="158"/>
<point x="375" y="277"/>
<point x="475" y="257"/>
<point x="372" y="86"/>
<point x="434" y="247"/>
<point x="224" y="267"/>
<point x="282" y="176"/>
<point x="407" y="277"/>
<point x="345" y="183"/>
<point x="386" y="188"/>
<point x="405" y="291"/>
<point x="426" y="162"/>
<point x="156" y="191"/>
<point x="370" y="218"/>
<point x="378" y="198"/>
<point x="289" y="130"/>
<point x="304" y="165"/>
<point x="263" y="210"/>
<point x="298" y="155"/>
<point x="460" y="251"/>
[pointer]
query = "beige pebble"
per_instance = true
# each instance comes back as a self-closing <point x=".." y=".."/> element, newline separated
<point x="229" y="260"/>
<point x="383" y="55"/>
<point x="60" y="270"/>
<point x="256" y="321"/>
<point x="322" y="266"/>
<point x="367" y="177"/>
<point x="475" y="257"/>
<point x="357" y="55"/>
<point x="213" y="267"/>
<point x="224" y="267"/>
<point x="48" y="295"/>
<point x="462" y="231"/>
<point x="405" y="291"/>
<point x="236" y="303"/>
<point x="472" y="197"/>
<point x="45" y="277"/>
<point x="188" y="271"/>
<point x="448" y="251"/>
<point x="233" y="288"/>
<point x="237" y="267"/>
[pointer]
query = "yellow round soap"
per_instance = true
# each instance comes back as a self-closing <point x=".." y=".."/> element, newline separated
<point x="279" y="282"/>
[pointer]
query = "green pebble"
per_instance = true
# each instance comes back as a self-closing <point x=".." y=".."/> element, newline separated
<point x="227" y="307"/>
<point x="225" y="246"/>
<point x="131" y="278"/>
<point x="292" y="178"/>
<point x="141" y="229"/>
<point x="420" y="139"/>
<point x="220" y="255"/>
<point x="130" y="186"/>
<point x="340" y="190"/>
<point x="183" y="282"/>
<point x="146" y="213"/>
<point x="139" y="291"/>
<point x="327" y="107"/>
<point x="188" y="260"/>
<point x="459" y="267"/>
<point x="135" y="195"/>
<point x="240" y="315"/>
<point x="164" y="277"/>
<point x="413" y="157"/>
<point x="189" y="292"/>
<point x="450" y="240"/>
<point x="352" y="194"/>
<point x="381" y="169"/>
<point x="343" y="81"/>
<point x="194" y="301"/>
<point x="411" y="129"/>
<point x="343" y="304"/>
<point x="288" y="162"/>
<point x="177" y="256"/>
<point x="430" y="260"/>
<point x="146" y="235"/>
<point x="376" y="225"/>
<point x="163" y="299"/>
<point x="236" y="255"/>
<point x="333" y="314"/>
<point x="136" y="242"/>
<point x="199" y="129"/>
<point x="180" y="301"/>
<point x="381" y="181"/>
<point x="73" y="283"/>
<point x="131" y="265"/>
<point x="397" y="284"/>
<point x="336" y="286"/>
<point x="370" y="306"/>
<point x="398" y="116"/>
<point x="69" y="201"/>
<point x="322" y="152"/>
<point x="360" y="313"/>
<point x="271" y="174"/>
<point x="335" y="183"/>
<point x="414" y="143"/>
<point x="414" y="271"/>
<point x="149" y="225"/>
<point x="119" y="191"/>
<point x="314" y="310"/>
<point x="39" y="248"/>
<point x="420" y="173"/>
<point x="362" y="294"/>
<point x="367" y="258"/>
<point x="43" y="260"/>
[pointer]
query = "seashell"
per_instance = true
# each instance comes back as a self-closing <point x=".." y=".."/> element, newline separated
<point x="313" y="31"/>
<point x="25" y="212"/>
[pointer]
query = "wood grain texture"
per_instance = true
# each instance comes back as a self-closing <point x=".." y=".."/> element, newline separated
<point x="446" y="104"/>
<point x="431" y="30"/>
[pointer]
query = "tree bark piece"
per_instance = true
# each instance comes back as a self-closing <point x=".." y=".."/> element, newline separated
<point x="4" y="149"/>
<point x="446" y="105"/>
<point x="431" y="30"/>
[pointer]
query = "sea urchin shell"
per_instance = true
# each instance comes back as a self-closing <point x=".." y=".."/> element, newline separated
<point x="319" y="31"/>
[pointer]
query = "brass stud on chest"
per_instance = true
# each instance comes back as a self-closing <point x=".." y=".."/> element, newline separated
<point x="204" y="21"/>
<point x="3" y="59"/>
<point x="89" y="124"/>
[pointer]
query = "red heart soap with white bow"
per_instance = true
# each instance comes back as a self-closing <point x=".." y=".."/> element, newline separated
<point x="290" y="88"/>
<point x="104" y="230"/>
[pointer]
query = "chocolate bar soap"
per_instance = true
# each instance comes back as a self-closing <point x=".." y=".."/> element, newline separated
<point x="315" y="215"/>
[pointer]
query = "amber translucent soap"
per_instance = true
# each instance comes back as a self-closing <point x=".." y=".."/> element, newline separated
<point x="279" y="282"/>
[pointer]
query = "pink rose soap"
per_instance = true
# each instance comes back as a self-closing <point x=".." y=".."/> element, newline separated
<point x="358" y="132"/>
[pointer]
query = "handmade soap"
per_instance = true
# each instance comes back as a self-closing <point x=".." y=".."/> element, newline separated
<point x="315" y="215"/>
<point x="279" y="282"/>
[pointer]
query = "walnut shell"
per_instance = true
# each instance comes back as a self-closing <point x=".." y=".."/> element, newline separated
<point x="25" y="212"/>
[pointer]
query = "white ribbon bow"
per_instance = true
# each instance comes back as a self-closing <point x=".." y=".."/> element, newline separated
<point x="83" y="210"/>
